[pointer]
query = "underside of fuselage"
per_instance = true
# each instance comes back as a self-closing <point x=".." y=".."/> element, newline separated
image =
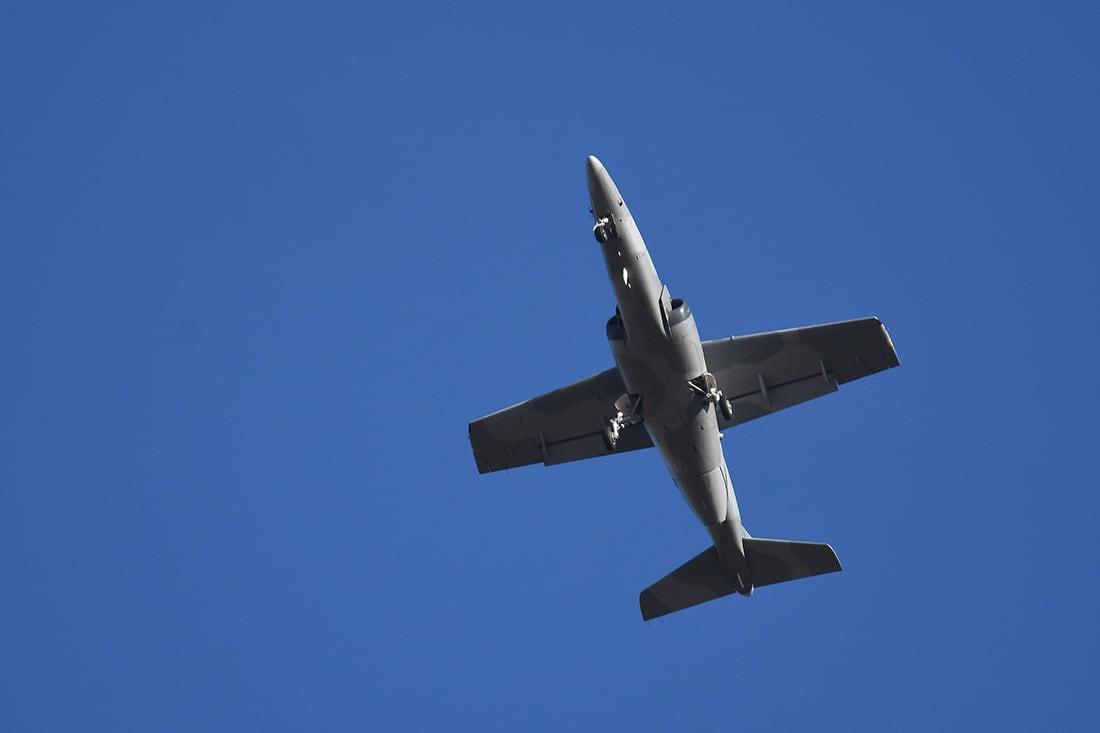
<point x="659" y="355"/>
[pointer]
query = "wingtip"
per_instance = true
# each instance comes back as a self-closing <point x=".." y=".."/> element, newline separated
<point x="646" y="602"/>
<point x="890" y="343"/>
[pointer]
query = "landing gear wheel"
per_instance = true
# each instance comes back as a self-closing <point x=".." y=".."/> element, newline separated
<point x="727" y="409"/>
<point x="604" y="230"/>
<point x="610" y="437"/>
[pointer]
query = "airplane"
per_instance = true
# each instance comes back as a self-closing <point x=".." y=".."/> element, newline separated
<point x="671" y="390"/>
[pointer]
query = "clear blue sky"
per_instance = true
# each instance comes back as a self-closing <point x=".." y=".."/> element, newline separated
<point x="261" y="264"/>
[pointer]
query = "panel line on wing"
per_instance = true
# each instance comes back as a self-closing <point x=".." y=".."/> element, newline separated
<point x="765" y="388"/>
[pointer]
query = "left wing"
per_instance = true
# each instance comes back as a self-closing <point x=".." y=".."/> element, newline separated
<point x="557" y="427"/>
<point x="767" y="372"/>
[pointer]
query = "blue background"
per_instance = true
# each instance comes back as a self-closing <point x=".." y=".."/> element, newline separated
<point x="262" y="263"/>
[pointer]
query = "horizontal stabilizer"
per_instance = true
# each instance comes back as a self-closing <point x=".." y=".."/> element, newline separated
<point x="776" y="561"/>
<point x="703" y="578"/>
<point x="699" y="580"/>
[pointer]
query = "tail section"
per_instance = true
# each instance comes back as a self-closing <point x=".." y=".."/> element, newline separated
<point x="703" y="578"/>
<point x="776" y="561"/>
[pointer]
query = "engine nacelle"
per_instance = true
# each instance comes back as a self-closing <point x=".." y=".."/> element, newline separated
<point x="616" y="337"/>
<point x="681" y="324"/>
<point x="615" y="329"/>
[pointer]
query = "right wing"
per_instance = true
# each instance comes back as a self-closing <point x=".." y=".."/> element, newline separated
<point x="767" y="372"/>
<point x="560" y="426"/>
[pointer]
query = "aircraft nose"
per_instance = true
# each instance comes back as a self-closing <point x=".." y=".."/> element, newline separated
<point x="600" y="187"/>
<point x="592" y="169"/>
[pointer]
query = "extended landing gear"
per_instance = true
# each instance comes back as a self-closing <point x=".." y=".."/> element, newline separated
<point x="626" y="413"/>
<point x="611" y="435"/>
<point x="604" y="230"/>
<point x="727" y="409"/>
<point x="707" y="388"/>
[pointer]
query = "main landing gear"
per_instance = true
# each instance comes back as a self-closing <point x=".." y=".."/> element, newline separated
<point x="626" y="413"/>
<point x="707" y="388"/>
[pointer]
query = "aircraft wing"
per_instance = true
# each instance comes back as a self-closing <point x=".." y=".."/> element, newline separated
<point x="767" y="372"/>
<point x="560" y="426"/>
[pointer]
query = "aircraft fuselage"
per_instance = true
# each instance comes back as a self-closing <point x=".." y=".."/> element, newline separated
<point x="657" y="350"/>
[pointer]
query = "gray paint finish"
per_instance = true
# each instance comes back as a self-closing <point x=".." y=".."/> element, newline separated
<point x="670" y="390"/>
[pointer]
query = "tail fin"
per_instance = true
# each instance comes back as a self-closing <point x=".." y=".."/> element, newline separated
<point x="703" y="578"/>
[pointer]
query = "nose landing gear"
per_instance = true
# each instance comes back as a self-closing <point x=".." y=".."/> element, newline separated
<point x="604" y="230"/>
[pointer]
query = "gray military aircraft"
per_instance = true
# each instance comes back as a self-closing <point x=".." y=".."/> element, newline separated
<point x="671" y="390"/>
